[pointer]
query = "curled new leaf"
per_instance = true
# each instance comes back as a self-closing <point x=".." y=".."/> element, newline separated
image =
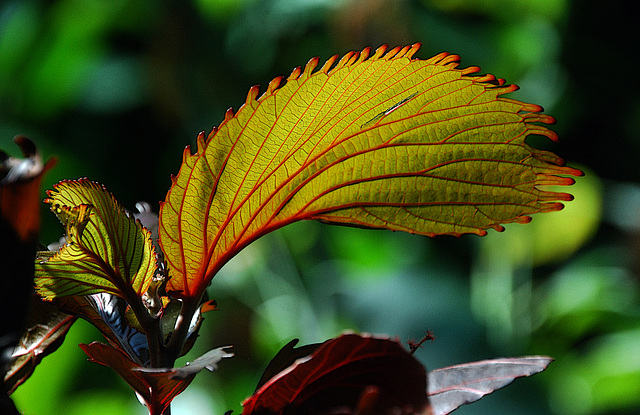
<point x="107" y="250"/>
<point x="380" y="141"/>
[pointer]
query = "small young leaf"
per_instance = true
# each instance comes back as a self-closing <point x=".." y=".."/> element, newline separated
<point x="453" y="386"/>
<point x="381" y="141"/>
<point x="107" y="250"/>
<point x="157" y="390"/>
<point x="207" y="361"/>
<point x="171" y="314"/>
<point x="351" y="372"/>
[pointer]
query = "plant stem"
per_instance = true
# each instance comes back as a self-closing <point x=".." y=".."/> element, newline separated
<point x="151" y="327"/>
<point x="179" y="336"/>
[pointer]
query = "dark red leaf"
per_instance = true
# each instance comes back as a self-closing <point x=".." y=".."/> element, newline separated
<point x="347" y="374"/>
<point x="453" y="386"/>
<point x="19" y="224"/>
<point x="285" y="358"/>
<point x="20" y="189"/>
<point x="46" y="329"/>
<point x="157" y="390"/>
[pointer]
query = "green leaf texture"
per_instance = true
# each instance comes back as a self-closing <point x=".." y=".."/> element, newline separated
<point x="107" y="250"/>
<point x="382" y="141"/>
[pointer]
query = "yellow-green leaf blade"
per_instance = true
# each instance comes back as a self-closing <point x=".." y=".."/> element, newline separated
<point x="107" y="250"/>
<point x="385" y="141"/>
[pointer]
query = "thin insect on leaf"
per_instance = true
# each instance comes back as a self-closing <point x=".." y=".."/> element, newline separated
<point x="382" y="141"/>
<point x="106" y="249"/>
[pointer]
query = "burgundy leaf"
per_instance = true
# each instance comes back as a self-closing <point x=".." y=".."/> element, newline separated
<point x="19" y="225"/>
<point x="348" y="374"/>
<point x="285" y="358"/>
<point x="20" y="189"/>
<point x="46" y="329"/>
<point x="453" y="386"/>
<point x="157" y="390"/>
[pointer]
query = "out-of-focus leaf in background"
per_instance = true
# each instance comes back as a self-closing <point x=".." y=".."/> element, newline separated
<point x="20" y="180"/>
<point x="149" y="78"/>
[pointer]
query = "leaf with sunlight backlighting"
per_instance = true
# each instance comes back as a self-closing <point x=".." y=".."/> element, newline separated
<point x="381" y="141"/>
<point x="107" y="250"/>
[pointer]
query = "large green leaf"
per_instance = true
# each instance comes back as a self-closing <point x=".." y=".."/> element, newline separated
<point x="381" y="141"/>
<point x="107" y="250"/>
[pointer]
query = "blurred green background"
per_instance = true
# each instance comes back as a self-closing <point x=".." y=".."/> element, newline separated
<point x="115" y="89"/>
